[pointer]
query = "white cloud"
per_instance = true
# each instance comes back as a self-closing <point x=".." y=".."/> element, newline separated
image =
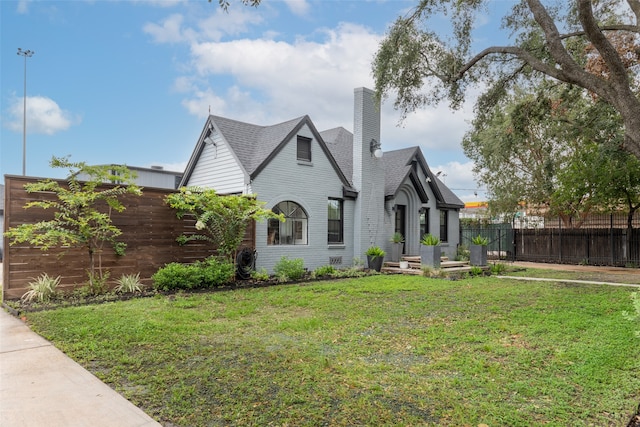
<point x="298" y="7"/>
<point x="460" y="179"/>
<point x="202" y="101"/>
<point x="267" y="79"/>
<point x="44" y="116"/>
<point x="169" y="31"/>
<point x="279" y="72"/>
<point x="160" y="3"/>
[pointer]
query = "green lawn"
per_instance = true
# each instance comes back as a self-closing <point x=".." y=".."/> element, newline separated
<point x="380" y="350"/>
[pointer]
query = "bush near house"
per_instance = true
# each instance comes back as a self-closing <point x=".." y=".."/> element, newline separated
<point x="210" y="273"/>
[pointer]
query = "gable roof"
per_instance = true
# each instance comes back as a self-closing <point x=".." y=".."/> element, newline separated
<point x="340" y="143"/>
<point x="254" y="145"/>
<point x="398" y="166"/>
<point x="401" y="164"/>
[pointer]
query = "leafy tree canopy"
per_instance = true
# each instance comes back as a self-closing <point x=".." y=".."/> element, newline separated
<point x="555" y="149"/>
<point x="594" y="45"/>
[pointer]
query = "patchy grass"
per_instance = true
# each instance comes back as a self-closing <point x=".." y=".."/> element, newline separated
<point x="381" y="350"/>
<point x="595" y="274"/>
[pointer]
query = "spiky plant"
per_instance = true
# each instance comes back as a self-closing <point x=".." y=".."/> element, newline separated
<point x="42" y="289"/>
<point x="129" y="283"/>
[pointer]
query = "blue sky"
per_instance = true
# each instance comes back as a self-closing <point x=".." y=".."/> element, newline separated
<point x="131" y="82"/>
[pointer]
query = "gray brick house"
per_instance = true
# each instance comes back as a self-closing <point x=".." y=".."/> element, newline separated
<point x="339" y="192"/>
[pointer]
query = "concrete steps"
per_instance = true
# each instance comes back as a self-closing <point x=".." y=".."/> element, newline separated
<point x="414" y="266"/>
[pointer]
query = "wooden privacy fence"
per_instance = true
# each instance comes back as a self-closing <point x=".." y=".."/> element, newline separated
<point x="149" y="228"/>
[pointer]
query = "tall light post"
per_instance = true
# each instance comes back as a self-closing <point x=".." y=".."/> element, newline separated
<point x="26" y="54"/>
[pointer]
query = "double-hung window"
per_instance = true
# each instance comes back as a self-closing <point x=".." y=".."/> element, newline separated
<point x="444" y="225"/>
<point x="335" y="225"/>
<point x="304" y="149"/>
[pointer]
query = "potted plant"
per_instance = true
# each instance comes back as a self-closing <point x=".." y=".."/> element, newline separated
<point x="397" y="245"/>
<point x="478" y="251"/>
<point x="375" y="257"/>
<point x="430" y="251"/>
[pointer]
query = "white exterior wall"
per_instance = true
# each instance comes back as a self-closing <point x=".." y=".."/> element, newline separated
<point x="218" y="168"/>
<point x="309" y="185"/>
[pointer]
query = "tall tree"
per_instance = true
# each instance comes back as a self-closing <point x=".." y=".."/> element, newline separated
<point x="423" y="68"/>
<point x="555" y="149"/>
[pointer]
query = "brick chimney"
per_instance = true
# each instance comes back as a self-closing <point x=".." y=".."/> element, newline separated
<point x="368" y="173"/>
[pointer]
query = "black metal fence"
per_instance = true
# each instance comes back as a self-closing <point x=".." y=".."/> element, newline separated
<point x="589" y="246"/>
<point x="500" y="237"/>
<point x="606" y="241"/>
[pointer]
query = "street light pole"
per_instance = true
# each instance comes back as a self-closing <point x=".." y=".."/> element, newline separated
<point x="26" y="54"/>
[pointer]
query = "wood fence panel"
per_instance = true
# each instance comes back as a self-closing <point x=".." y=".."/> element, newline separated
<point x="149" y="228"/>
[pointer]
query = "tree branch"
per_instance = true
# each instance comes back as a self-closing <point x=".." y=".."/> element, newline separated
<point x="608" y="53"/>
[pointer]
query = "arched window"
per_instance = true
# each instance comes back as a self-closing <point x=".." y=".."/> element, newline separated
<point x="293" y="231"/>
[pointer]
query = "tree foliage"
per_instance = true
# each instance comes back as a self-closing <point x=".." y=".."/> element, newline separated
<point x="82" y="211"/>
<point x="224" y="4"/>
<point x="555" y="149"/>
<point x="553" y="39"/>
<point x="221" y="220"/>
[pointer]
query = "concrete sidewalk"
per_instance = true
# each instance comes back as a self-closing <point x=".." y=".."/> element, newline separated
<point x="41" y="386"/>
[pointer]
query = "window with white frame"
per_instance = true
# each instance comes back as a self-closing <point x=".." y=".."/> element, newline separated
<point x="293" y="231"/>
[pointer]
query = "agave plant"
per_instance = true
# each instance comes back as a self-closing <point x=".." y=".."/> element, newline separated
<point x="42" y="289"/>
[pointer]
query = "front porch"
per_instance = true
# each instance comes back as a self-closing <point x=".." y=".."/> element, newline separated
<point x="414" y="266"/>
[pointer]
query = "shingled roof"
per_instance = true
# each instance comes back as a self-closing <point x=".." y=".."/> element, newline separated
<point x="255" y="145"/>
<point x="397" y="166"/>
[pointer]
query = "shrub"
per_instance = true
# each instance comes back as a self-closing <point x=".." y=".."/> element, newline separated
<point x="463" y="253"/>
<point x="176" y="276"/>
<point x="498" y="268"/>
<point x="97" y="284"/>
<point x="260" y="275"/>
<point x="129" y="283"/>
<point x="42" y="289"/>
<point x="325" y="270"/>
<point x="289" y="269"/>
<point x="215" y="272"/>
<point x="209" y="273"/>
<point x="476" y="271"/>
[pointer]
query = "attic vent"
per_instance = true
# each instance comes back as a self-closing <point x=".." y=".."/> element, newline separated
<point x="158" y="168"/>
<point x="335" y="260"/>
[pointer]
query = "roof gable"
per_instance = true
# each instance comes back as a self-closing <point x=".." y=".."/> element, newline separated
<point x="254" y="146"/>
<point x="399" y="165"/>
